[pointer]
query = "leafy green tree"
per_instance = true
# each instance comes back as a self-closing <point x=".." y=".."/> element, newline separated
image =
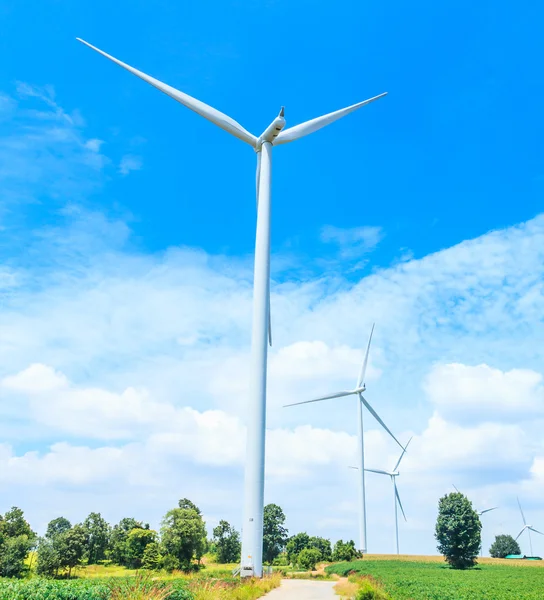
<point x="16" y="541"/>
<point x="48" y="561"/>
<point x="118" y="551"/>
<point x="183" y="535"/>
<point x="13" y="555"/>
<point x="458" y="531"/>
<point x="504" y="545"/>
<point x="137" y="541"/>
<point x="14" y="524"/>
<point x="323" y="546"/>
<point x="226" y="541"/>
<point x="71" y="547"/>
<point x="185" y="503"/>
<point x="98" y="533"/>
<point x="57" y="526"/>
<point x="274" y="533"/>
<point x="295" y="545"/>
<point x="345" y="551"/>
<point x="152" y="558"/>
<point x="308" y="558"/>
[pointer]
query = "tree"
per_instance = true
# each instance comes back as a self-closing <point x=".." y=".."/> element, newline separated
<point x="308" y="558"/>
<point x="16" y="541"/>
<point x="48" y="562"/>
<point x="504" y="545"/>
<point x="152" y="558"/>
<point x="183" y="534"/>
<point x="458" y="530"/>
<point x="295" y="545"/>
<point x="57" y="526"/>
<point x="227" y="543"/>
<point x="345" y="551"/>
<point x="118" y="551"/>
<point x="98" y="533"/>
<point x="14" y="524"/>
<point x="137" y="541"/>
<point x="13" y="555"/>
<point x="62" y="550"/>
<point x="71" y="546"/>
<point x="323" y="546"/>
<point x="185" y="503"/>
<point x="274" y="532"/>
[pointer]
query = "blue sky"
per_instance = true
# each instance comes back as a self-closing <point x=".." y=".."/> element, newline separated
<point x="128" y="227"/>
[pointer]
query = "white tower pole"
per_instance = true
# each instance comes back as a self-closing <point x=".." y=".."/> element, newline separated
<point x="362" y="494"/>
<point x="252" y="536"/>
<point x="396" y="515"/>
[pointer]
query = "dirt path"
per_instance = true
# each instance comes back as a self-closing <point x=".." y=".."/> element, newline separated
<point x="301" y="589"/>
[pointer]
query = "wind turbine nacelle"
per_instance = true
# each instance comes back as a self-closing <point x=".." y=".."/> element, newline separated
<point x="273" y="130"/>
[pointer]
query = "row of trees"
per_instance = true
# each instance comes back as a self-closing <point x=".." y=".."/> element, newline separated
<point x="458" y="532"/>
<point x="180" y="543"/>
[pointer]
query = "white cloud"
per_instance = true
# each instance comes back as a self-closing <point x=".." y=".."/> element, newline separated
<point x="130" y="162"/>
<point x="484" y="393"/>
<point x="354" y="241"/>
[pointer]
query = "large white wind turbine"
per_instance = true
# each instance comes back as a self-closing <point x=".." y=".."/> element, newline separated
<point x="396" y="499"/>
<point x="360" y="387"/>
<point x="273" y="135"/>
<point x="527" y="528"/>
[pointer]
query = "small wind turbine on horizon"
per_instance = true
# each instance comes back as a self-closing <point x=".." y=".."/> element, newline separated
<point x="360" y="387"/>
<point x="479" y="513"/>
<point x="527" y="528"/>
<point x="274" y="135"/>
<point x="393" y="475"/>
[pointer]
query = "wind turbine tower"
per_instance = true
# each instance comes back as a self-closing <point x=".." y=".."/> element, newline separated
<point x="274" y="135"/>
<point x="360" y="387"/>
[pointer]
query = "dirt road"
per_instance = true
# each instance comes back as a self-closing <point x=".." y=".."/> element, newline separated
<point x="300" y="589"/>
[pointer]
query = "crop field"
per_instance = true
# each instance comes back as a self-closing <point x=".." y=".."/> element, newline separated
<point x="136" y="588"/>
<point x="407" y="579"/>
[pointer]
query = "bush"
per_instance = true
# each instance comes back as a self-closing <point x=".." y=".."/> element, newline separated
<point x="308" y="558"/>
<point x="458" y="530"/>
<point x="504" y="545"/>
<point x="345" y="551"/>
<point x="370" y="591"/>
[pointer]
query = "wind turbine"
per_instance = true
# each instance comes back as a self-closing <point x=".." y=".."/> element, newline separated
<point x="360" y="387"/>
<point x="393" y="474"/>
<point x="529" y="528"/>
<point x="274" y="135"/>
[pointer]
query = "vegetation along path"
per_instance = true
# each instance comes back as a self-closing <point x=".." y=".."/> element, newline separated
<point x="302" y="589"/>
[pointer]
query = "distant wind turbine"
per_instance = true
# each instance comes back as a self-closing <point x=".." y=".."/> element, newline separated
<point x="274" y="135"/>
<point x="360" y="387"/>
<point x="393" y="475"/>
<point x="529" y="528"/>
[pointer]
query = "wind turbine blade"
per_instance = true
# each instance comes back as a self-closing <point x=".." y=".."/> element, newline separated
<point x="361" y="379"/>
<point x="521" y="511"/>
<point x="456" y="489"/>
<point x="535" y="530"/>
<point x="377" y="417"/>
<point x="338" y="395"/>
<point x="488" y="509"/>
<point x="398" y="500"/>
<point x="378" y="471"/>
<point x="208" y="112"/>
<point x="298" y="131"/>
<point x="403" y="453"/>
<point x="356" y="468"/>
<point x="521" y="532"/>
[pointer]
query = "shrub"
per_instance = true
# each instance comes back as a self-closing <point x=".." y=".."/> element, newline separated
<point x="308" y="558"/>
<point x="504" y="545"/>
<point x="370" y="591"/>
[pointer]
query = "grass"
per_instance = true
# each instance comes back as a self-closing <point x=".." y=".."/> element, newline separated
<point x="406" y="579"/>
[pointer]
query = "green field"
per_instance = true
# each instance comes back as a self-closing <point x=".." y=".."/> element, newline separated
<point x="156" y="587"/>
<point x="418" y="580"/>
